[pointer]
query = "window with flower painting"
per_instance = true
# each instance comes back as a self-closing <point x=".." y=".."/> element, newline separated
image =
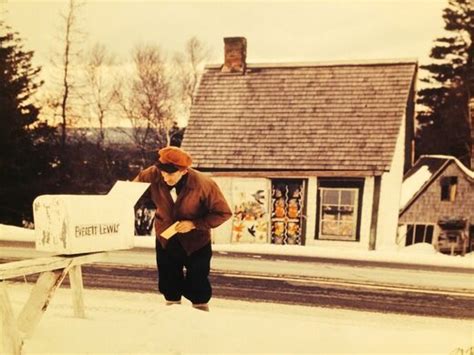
<point x="287" y="211"/>
<point x="339" y="205"/>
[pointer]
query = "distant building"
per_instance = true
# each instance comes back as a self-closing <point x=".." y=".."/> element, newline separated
<point x="437" y="205"/>
<point x="306" y="153"/>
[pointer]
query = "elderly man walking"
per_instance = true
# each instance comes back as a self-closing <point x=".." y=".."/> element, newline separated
<point x="182" y="194"/>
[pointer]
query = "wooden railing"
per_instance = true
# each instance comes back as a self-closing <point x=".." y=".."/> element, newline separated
<point x="52" y="270"/>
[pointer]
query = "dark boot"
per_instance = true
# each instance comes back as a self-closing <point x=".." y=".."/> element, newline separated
<point x="170" y="303"/>
<point x="201" y="306"/>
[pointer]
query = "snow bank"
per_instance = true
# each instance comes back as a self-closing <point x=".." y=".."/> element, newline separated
<point x="425" y="253"/>
<point x="121" y="322"/>
<point x="420" y="248"/>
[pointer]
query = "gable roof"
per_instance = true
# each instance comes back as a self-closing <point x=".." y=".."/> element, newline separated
<point x="326" y="116"/>
<point x="422" y="175"/>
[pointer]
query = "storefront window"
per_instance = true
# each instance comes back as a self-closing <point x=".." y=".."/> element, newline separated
<point x="338" y="209"/>
<point x="338" y="213"/>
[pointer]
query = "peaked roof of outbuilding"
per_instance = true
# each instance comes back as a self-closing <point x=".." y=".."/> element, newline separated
<point x="426" y="169"/>
<point x="303" y="116"/>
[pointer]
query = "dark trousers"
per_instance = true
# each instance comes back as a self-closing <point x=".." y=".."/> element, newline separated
<point x="173" y="282"/>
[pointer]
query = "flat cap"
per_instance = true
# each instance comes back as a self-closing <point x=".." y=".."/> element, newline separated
<point x="171" y="159"/>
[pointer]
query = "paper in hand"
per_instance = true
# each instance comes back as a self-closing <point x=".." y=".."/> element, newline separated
<point x="170" y="231"/>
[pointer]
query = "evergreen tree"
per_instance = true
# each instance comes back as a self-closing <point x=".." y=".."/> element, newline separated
<point x="23" y="158"/>
<point x="444" y="123"/>
<point x="17" y="84"/>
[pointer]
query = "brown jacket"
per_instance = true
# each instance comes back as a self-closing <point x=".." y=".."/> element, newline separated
<point x="200" y="201"/>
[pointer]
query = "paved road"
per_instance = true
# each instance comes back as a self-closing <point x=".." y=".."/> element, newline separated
<point x="305" y="282"/>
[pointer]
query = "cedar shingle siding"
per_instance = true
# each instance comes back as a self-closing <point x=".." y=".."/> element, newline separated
<point x="306" y="117"/>
<point x="428" y="207"/>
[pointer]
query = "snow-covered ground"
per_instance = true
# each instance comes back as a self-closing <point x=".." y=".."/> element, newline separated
<point x="139" y="323"/>
<point x="421" y="253"/>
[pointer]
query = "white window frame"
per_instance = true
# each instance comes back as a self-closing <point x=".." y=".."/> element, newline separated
<point x="355" y="213"/>
<point x="426" y="225"/>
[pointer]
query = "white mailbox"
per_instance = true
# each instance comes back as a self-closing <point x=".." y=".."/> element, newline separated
<point x="75" y="224"/>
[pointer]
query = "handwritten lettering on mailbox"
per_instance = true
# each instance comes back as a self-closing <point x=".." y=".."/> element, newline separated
<point x="90" y="230"/>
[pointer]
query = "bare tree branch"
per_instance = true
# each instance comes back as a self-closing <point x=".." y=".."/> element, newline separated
<point x="65" y="63"/>
<point x="100" y="90"/>
<point x="147" y="100"/>
<point x="189" y="67"/>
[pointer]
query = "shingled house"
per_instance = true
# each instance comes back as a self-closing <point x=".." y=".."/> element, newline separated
<point x="437" y="205"/>
<point x="306" y="153"/>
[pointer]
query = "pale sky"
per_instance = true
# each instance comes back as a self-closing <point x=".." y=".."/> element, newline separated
<point x="276" y="31"/>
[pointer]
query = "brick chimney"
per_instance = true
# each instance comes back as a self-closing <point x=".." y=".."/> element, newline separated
<point x="235" y="55"/>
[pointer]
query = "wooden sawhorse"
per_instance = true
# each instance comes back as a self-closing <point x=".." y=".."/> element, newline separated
<point x="52" y="272"/>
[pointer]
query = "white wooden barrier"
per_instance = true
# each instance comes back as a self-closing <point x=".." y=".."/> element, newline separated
<point x="52" y="272"/>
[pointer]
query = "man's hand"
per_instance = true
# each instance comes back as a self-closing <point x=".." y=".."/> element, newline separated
<point x="185" y="226"/>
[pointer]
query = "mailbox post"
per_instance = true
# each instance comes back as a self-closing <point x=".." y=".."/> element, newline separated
<point x="82" y="229"/>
